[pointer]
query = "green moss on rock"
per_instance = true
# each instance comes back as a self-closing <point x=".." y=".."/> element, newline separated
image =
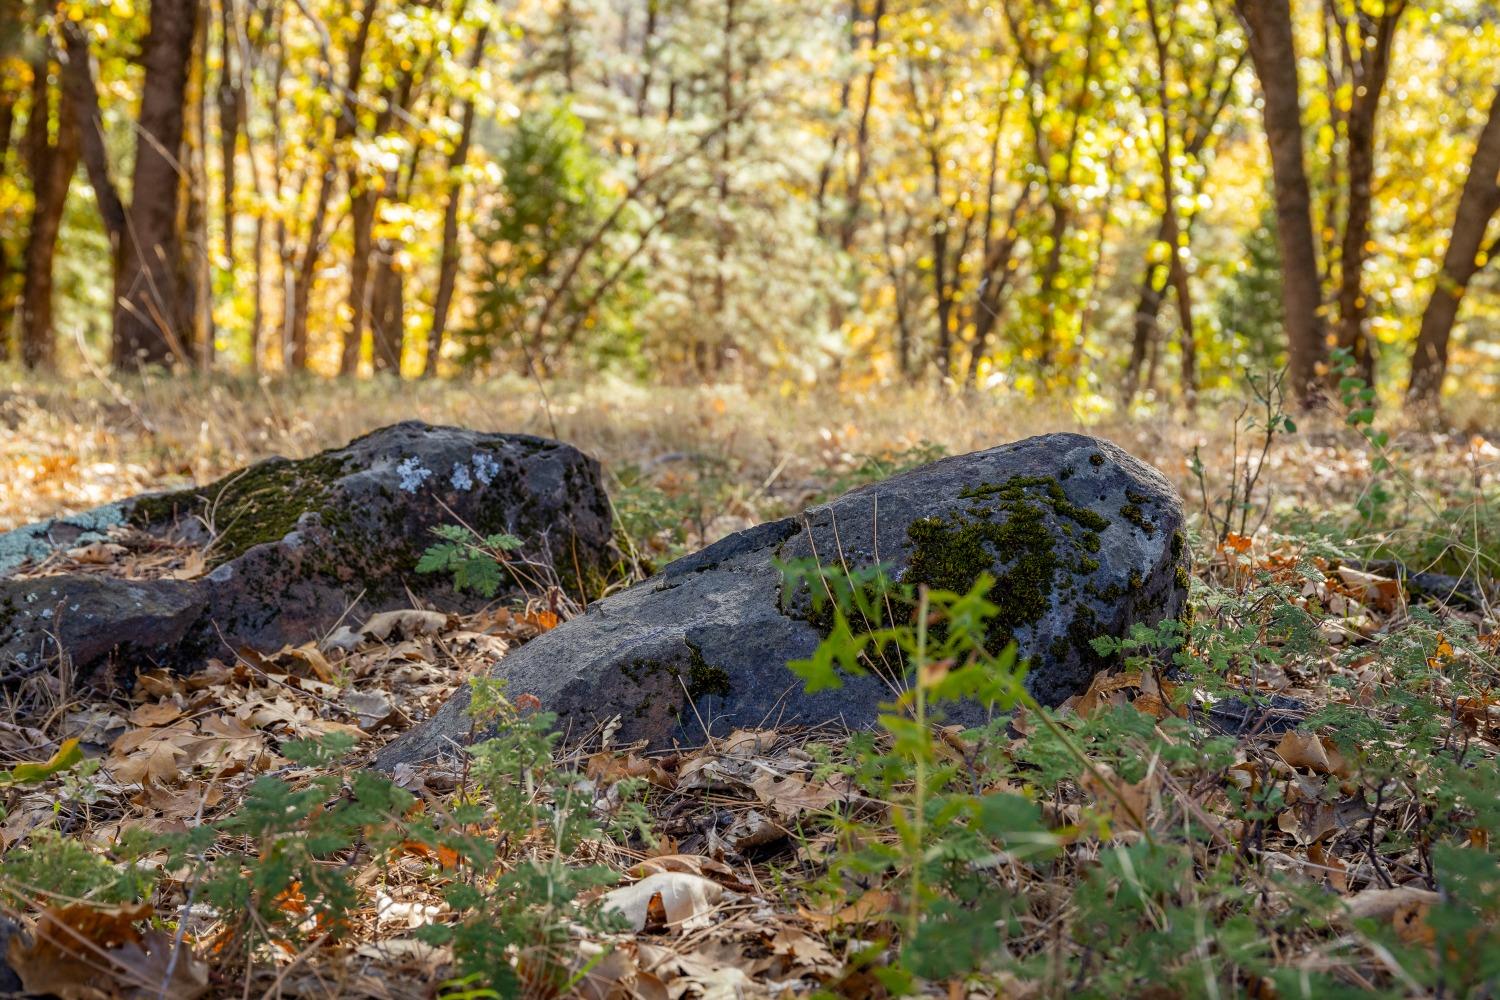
<point x="1134" y="511"/>
<point x="950" y="553"/>
<point x="258" y="505"/>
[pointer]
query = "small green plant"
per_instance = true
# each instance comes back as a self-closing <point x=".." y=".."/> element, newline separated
<point x="1227" y="507"/>
<point x="942" y="824"/>
<point x="520" y="898"/>
<point x="1358" y="398"/>
<point x="290" y="881"/>
<point x="479" y="563"/>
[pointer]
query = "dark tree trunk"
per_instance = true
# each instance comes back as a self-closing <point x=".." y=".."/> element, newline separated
<point x="989" y="299"/>
<point x="362" y="210"/>
<point x="83" y="97"/>
<point x="1477" y="204"/>
<point x="51" y="164"/>
<point x="1272" y="52"/>
<point x="149" y="322"/>
<point x="307" y="267"/>
<point x="1369" y="69"/>
<point x="362" y="224"/>
<point x="852" y="201"/>
<point x="387" y="311"/>
<point x="1145" y="321"/>
<point x="8" y="263"/>
<point x="231" y="98"/>
<point x="448" y="266"/>
<point x="197" y="267"/>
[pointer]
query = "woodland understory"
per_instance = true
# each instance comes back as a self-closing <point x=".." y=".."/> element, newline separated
<point x="217" y="833"/>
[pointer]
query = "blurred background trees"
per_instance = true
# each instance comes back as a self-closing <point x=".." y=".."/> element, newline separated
<point x="1130" y="201"/>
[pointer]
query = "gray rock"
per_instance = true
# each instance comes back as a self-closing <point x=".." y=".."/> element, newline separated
<point x="297" y="544"/>
<point x="1082" y="539"/>
<point x="92" y="618"/>
<point x="35" y="542"/>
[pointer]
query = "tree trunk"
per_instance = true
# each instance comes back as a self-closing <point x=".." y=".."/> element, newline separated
<point x="852" y="201"/>
<point x="1145" y="321"/>
<point x="308" y="266"/>
<point x="1371" y="71"/>
<point x="1476" y="206"/>
<point x="51" y="164"/>
<point x="387" y="311"/>
<point x="362" y="223"/>
<point x="1269" y="25"/>
<point x="149" y="323"/>
<point x="448" y="266"/>
<point x="197" y="267"/>
<point x="231" y="98"/>
<point x="8" y="264"/>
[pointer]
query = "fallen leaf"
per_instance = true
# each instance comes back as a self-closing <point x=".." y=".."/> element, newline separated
<point x="406" y="624"/>
<point x="676" y="900"/>
<point x="67" y="755"/>
<point x="372" y="708"/>
<point x="157" y="713"/>
<point x="1381" y="904"/>
<point x="86" y="952"/>
<point x="1313" y="752"/>
<point x="693" y="864"/>
<point x="97" y="553"/>
<point x="789" y="795"/>
<point x="874" y="905"/>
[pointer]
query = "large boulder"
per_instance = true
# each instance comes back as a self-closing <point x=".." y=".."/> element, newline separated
<point x="1082" y="539"/>
<point x="293" y="546"/>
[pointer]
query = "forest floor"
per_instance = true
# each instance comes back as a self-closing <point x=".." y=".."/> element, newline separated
<point x="1130" y="842"/>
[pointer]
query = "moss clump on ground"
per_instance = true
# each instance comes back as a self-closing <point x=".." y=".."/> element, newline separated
<point x="949" y="553"/>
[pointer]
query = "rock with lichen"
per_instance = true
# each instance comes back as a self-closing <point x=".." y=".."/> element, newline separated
<point x="287" y="548"/>
<point x="1081" y="539"/>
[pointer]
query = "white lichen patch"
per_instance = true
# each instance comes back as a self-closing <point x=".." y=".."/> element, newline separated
<point x="413" y="474"/>
<point x="485" y="467"/>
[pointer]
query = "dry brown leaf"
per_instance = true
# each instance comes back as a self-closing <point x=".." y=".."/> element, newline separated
<point x="789" y="795"/>
<point x="314" y="660"/>
<point x="693" y="864"/>
<point x="808" y="953"/>
<point x="749" y="741"/>
<point x="1106" y="690"/>
<point x="605" y="768"/>
<point x="1336" y="870"/>
<point x="1382" y="904"/>
<point x="156" y="714"/>
<point x="874" y="905"/>
<point x="1313" y="752"/>
<point x="1127" y="804"/>
<point x="97" y="553"/>
<point x="372" y="708"/>
<point x="406" y="624"/>
<point x="676" y="900"/>
<point x="84" y="952"/>
<point x="753" y="828"/>
<point x="158" y="763"/>
<point x="1381" y="591"/>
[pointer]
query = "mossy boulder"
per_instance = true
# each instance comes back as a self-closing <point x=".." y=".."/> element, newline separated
<point x="705" y="643"/>
<point x="294" y="545"/>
